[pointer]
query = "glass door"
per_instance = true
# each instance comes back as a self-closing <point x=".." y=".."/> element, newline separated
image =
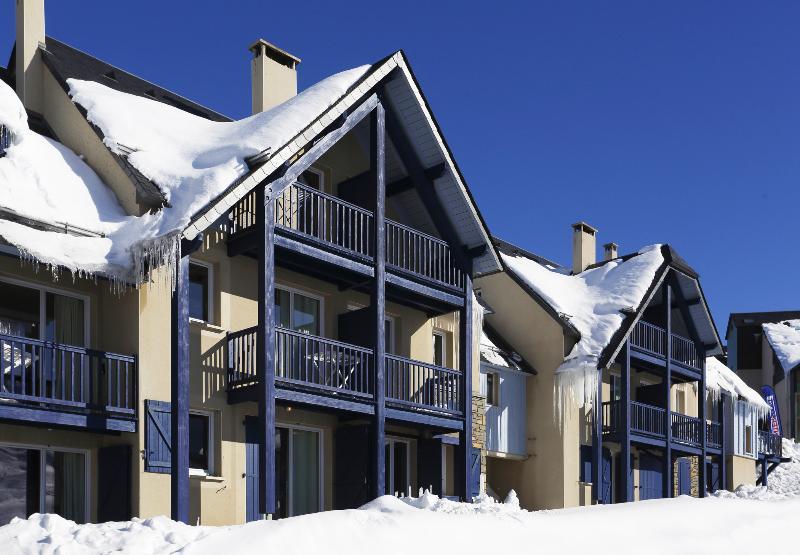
<point x="397" y="467"/>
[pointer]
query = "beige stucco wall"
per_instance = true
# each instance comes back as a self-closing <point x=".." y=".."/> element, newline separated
<point x="740" y="471"/>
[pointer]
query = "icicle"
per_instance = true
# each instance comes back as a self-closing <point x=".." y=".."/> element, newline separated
<point x="574" y="387"/>
<point x="160" y="253"/>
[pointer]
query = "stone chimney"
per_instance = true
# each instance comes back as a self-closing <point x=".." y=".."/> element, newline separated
<point x="610" y="251"/>
<point x="30" y="34"/>
<point x="274" y="75"/>
<point x="584" y="246"/>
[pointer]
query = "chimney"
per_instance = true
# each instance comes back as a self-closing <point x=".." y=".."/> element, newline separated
<point x="584" y="246"/>
<point x="610" y="251"/>
<point x="30" y="34"/>
<point x="274" y="74"/>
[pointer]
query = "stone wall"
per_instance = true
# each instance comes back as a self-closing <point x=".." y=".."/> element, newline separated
<point x="479" y="432"/>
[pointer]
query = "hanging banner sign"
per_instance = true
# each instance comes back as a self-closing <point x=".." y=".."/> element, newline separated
<point x="774" y="413"/>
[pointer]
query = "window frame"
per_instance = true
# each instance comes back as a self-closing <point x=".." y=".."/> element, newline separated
<point x="391" y="441"/>
<point x="305" y="293"/>
<point x="87" y="463"/>
<point x="210" y="471"/>
<point x="43" y="291"/>
<point x="495" y="388"/>
<point x="290" y="462"/>
<point x="209" y="294"/>
<point x="319" y="173"/>
<point x="443" y="334"/>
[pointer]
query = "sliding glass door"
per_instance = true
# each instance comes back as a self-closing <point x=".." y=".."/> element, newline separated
<point x="37" y="313"/>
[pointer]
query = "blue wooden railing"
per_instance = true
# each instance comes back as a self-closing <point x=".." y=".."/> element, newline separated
<point x="770" y="444"/>
<point x="714" y="435"/>
<point x="420" y="385"/>
<point x="653" y="339"/>
<point x="64" y="377"/>
<point x="333" y="223"/>
<point x="330" y="367"/>
<point x="686" y="429"/>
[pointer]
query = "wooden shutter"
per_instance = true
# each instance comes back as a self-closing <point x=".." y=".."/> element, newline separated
<point x="157" y="437"/>
<point x="474" y="473"/>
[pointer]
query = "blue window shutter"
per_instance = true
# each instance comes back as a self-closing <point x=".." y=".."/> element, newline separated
<point x="474" y="473"/>
<point x="157" y="437"/>
<point x="586" y="463"/>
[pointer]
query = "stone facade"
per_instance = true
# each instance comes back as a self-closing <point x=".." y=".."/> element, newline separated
<point x="694" y="473"/>
<point x="479" y="432"/>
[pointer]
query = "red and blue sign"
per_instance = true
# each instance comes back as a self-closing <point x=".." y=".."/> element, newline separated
<point x="774" y="413"/>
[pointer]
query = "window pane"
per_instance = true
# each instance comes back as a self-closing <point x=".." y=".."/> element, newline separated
<point x="198" y="292"/>
<point x="306" y="314"/>
<point x="282" y="308"/>
<point x="310" y="178"/>
<point x="65" y="320"/>
<point x="305" y="478"/>
<point x="65" y="485"/>
<point x="400" y="463"/>
<point x="438" y="349"/>
<point x="490" y="389"/>
<point x="19" y="495"/>
<point x="198" y="441"/>
<point x="19" y="310"/>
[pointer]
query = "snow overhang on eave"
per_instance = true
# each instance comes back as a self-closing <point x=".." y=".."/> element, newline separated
<point x="450" y="186"/>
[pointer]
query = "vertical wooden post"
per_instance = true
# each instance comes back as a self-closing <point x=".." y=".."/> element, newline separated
<point x="265" y="348"/>
<point x="625" y="452"/>
<point x="701" y="411"/>
<point x="669" y="487"/>
<point x="597" y="441"/>
<point x="179" y="432"/>
<point x="465" y="346"/>
<point x="378" y="297"/>
<point x="724" y="403"/>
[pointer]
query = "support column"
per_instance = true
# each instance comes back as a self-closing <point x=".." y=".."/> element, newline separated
<point x="625" y="409"/>
<point x="669" y="483"/>
<point x="465" y="346"/>
<point x="378" y="297"/>
<point x="179" y="432"/>
<point x="597" y="440"/>
<point x="701" y="411"/>
<point x="265" y="349"/>
<point x="723" y="412"/>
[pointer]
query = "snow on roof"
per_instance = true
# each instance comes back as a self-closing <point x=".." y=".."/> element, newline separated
<point x="493" y="354"/>
<point x="594" y="302"/>
<point x="721" y="378"/>
<point x="191" y="159"/>
<point x="784" y="338"/>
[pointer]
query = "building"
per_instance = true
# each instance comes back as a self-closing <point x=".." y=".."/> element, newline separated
<point x="627" y="401"/>
<point x="279" y="312"/>
<point x="764" y="349"/>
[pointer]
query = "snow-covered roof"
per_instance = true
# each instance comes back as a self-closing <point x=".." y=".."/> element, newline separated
<point x="720" y="378"/>
<point x="496" y="356"/>
<point x="784" y="338"/>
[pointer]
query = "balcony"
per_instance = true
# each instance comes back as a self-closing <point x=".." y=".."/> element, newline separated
<point x="652" y="340"/>
<point x="649" y="422"/>
<point x="770" y="445"/>
<point x="325" y="372"/>
<point x="51" y="383"/>
<point x="310" y="217"/>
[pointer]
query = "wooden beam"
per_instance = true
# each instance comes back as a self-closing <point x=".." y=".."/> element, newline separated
<point x="429" y="420"/>
<point x="265" y="349"/>
<point x="668" y="478"/>
<point x="465" y="347"/>
<point x="597" y="440"/>
<point x="35" y="416"/>
<point x="625" y="443"/>
<point x="407" y="183"/>
<point x="377" y="133"/>
<point x="179" y="440"/>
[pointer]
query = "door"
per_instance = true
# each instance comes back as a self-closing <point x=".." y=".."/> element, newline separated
<point x="713" y="476"/>
<point x="651" y="483"/>
<point x="251" y="468"/>
<point x="351" y="468"/>
<point x="114" y="483"/>
<point x="621" y="497"/>
<point x="429" y="464"/>
<point x="684" y="476"/>
<point x="474" y="473"/>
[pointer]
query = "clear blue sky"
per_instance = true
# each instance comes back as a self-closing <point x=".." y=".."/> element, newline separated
<point x="669" y="122"/>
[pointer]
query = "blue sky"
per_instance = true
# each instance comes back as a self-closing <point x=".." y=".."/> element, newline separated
<point x="669" y="122"/>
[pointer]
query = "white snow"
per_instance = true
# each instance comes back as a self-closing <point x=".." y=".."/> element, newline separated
<point x="783" y="482"/>
<point x="784" y="338"/>
<point x="428" y="524"/>
<point x="593" y="301"/>
<point x="719" y="377"/>
<point x="491" y="352"/>
<point x="190" y="158"/>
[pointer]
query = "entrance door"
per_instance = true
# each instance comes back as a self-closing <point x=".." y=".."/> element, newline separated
<point x="713" y="476"/>
<point x="397" y="466"/>
<point x="651" y="484"/>
<point x="684" y="477"/>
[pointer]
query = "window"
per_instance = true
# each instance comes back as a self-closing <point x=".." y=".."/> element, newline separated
<point x="748" y="438"/>
<point x="313" y="178"/>
<point x="298" y="312"/>
<point x="39" y="480"/>
<point x="680" y="401"/>
<point x="397" y="465"/>
<point x="43" y="313"/>
<point x="616" y="387"/>
<point x="492" y="388"/>
<point x="388" y="335"/>
<point x="200" y="443"/>
<point x="438" y="348"/>
<point x="200" y="291"/>
<point x="585" y="471"/>
<point x="298" y="471"/>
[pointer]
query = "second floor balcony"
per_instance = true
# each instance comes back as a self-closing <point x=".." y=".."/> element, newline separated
<point x="653" y="340"/>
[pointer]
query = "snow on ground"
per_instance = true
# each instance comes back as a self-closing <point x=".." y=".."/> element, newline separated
<point x="428" y="524"/>
<point x="191" y="159"/>
<point x="784" y="481"/>
<point x="721" y="378"/>
<point x="784" y="338"/>
<point x="593" y="301"/>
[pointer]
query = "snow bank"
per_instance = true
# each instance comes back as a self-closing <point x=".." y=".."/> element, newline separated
<point x="428" y="524"/>
<point x="784" y="338"/>
<point x="720" y="378"/>
<point x="191" y="159"/>
<point x="594" y="302"/>
<point x="783" y="482"/>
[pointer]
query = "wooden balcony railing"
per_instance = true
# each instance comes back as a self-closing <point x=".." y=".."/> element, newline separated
<point x="421" y="385"/>
<point x="770" y="444"/>
<point x="653" y="339"/>
<point x="686" y="429"/>
<point x="64" y="377"/>
<point x="714" y="435"/>
<point x="332" y="223"/>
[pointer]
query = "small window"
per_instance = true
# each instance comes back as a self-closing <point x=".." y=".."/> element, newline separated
<point x="438" y="348"/>
<point x="680" y="401"/>
<point x="199" y="291"/>
<point x="492" y="389"/>
<point x="616" y="387"/>
<point x="585" y="472"/>
<point x="748" y="439"/>
<point x="200" y="429"/>
<point x="313" y="178"/>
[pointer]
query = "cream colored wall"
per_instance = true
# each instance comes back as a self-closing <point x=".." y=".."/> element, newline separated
<point x="548" y="477"/>
<point x="740" y="471"/>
